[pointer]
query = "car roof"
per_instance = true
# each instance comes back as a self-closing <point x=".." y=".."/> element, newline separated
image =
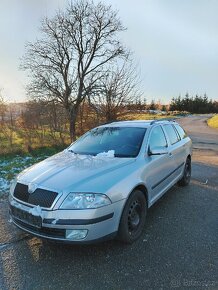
<point x="138" y="123"/>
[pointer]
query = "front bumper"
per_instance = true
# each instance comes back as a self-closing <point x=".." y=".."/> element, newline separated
<point x="55" y="225"/>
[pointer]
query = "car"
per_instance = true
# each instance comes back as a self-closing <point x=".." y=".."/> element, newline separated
<point x="103" y="184"/>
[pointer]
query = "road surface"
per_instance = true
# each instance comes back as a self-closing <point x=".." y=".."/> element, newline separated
<point x="203" y="136"/>
<point x="178" y="249"/>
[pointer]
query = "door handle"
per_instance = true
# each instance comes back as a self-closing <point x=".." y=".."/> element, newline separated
<point x="170" y="154"/>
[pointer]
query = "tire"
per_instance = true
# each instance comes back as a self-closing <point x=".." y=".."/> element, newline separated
<point x="133" y="218"/>
<point x="184" y="181"/>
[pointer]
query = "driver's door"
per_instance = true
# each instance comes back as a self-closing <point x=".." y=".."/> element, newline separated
<point x="159" y="168"/>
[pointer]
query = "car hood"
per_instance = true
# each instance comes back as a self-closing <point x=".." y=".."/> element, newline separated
<point x="66" y="171"/>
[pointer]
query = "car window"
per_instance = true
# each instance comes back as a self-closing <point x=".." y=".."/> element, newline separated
<point x="180" y="131"/>
<point x="124" y="141"/>
<point x="171" y="132"/>
<point x="157" y="138"/>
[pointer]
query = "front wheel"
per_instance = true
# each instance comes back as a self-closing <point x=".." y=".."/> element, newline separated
<point x="133" y="218"/>
<point x="186" y="174"/>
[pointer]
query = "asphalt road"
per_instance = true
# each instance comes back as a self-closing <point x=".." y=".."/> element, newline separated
<point x="178" y="249"/>
<point x="203" y="137"/>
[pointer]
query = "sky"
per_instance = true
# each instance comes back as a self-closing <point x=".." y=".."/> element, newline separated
<point x="175" y="44"/>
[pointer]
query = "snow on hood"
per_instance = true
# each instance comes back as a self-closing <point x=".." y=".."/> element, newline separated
<point x="108" y="154"/>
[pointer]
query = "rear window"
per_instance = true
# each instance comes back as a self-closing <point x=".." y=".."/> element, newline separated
<point x="180" y="131"/>
<point x="171" y="132"/>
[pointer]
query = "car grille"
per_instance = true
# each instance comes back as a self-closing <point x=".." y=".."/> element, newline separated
<point x="41" y="197"/>
<point x="49" y="232"/>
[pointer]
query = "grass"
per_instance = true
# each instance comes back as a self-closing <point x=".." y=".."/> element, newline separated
<point x="18" y="141"/>
<point x="12" y="164"/>
<point x="142" y="116"/>
<point x="213" y="122"/>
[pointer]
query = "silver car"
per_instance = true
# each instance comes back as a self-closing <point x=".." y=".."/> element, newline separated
<point x="102" y="185"/>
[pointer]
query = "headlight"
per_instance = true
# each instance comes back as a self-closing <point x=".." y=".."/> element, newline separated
<point x="85" y="200"/>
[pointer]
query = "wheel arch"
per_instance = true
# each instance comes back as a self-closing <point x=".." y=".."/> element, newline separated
<point x="143" y="189"/>
<point x="122" y="228"/>
<point x="189" y="157"/>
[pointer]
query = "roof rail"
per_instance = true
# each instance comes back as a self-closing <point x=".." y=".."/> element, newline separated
<point x="163" y="119"/>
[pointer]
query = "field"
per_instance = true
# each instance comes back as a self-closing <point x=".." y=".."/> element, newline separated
<point x="142" y="116"/>
<point x="213" y="122"/>
<point x="17" y="140"/>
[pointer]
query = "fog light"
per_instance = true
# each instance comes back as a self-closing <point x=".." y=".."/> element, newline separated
<point x="75" y="235"/>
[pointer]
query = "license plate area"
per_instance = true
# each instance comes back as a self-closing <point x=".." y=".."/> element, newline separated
<point x="26" y="217"/>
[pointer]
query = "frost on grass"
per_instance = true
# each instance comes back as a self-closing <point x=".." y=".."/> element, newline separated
<point x="4" y="185"/>
<point x="10" y="167"/>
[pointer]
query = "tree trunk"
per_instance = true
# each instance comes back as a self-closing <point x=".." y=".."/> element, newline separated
<point x="73" y="116"/>
<point x="110" y="116"/>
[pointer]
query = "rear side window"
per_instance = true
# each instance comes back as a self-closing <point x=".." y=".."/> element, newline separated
<point x="157" y="138"/>
<point x="181" y="132"/>
<point x="171" y="132"/>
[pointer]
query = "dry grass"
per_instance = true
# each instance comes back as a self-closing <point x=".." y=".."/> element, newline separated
<point x="19" y="140"/>
<point x="213" y="122"/>
<point x="142" y="116"/>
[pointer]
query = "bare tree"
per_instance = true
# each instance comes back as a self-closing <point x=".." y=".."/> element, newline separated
<point x="3" y="108"/>
<point x="117" y="88"/>
<point x="71" y="57"/>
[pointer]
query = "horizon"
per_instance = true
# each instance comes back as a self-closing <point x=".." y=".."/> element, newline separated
<point x="146" y="102"/>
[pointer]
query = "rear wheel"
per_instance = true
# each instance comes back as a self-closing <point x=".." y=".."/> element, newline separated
<point x="186" y="174"/>
<point x="133" y="217"/>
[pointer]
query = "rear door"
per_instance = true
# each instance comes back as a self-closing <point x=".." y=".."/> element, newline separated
<point x="176" y="148"/>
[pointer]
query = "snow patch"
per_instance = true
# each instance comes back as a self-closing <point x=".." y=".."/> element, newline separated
<point x="2" y="246"/>
<point x="108" y="154"/>
<point x="27" y="158"/>
<point x="55" y="221"/>
<point x="36" y="211"/>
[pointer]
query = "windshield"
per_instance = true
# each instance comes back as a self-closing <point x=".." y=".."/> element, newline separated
<point x="123" y="141"/>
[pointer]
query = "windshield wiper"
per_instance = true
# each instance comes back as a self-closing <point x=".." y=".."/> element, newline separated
<point x="82" y="153"/>
<point x="72" y="151"/>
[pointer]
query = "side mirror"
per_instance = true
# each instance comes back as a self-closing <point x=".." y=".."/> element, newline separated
<point x="158" y="151"/>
